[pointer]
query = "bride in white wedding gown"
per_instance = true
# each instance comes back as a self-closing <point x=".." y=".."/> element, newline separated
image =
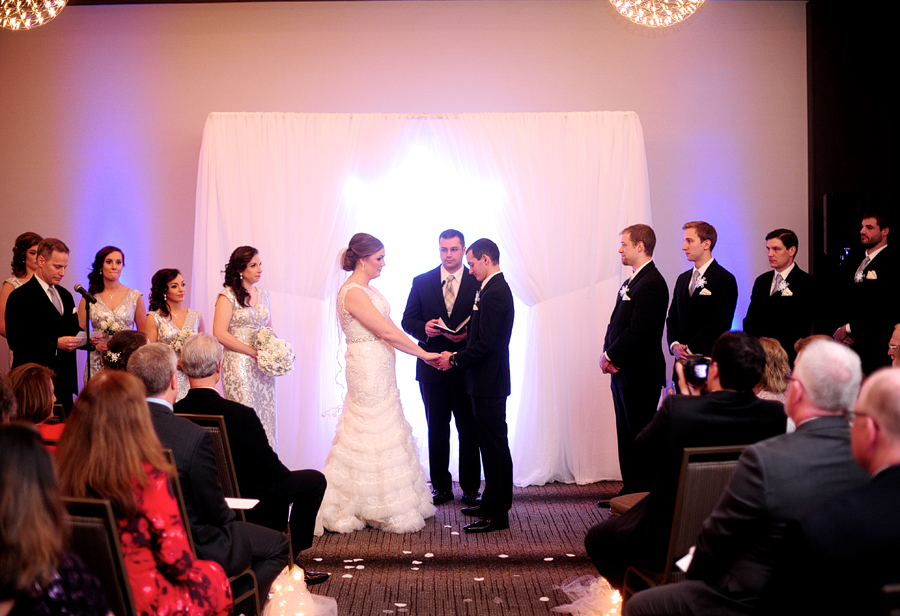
<point x="373" y="471"/>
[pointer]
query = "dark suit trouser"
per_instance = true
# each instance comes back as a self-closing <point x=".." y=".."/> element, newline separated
<point x="635" y="398"/>
<point x="302" y="491"/>
<point x="442" y="400"/>
<point x="607" y="544"/>
<point x="269" y="553"/>
<point x="684" y="598"/>
<point x="490" y="415"/>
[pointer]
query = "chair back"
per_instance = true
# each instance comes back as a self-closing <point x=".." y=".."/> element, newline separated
<point x="95" y="539"/>
<point x="179" y="497"/>
<point x="215" y="425"/>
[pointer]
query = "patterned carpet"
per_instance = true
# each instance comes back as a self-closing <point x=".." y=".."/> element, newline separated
<point x="442" y="570"/>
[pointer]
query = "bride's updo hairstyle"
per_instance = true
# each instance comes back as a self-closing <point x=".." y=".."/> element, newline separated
<point x="95" y="278"/>
<point x="361" y="245"/>
<point x="236" y="265"/>
<point x="159" y="284"/>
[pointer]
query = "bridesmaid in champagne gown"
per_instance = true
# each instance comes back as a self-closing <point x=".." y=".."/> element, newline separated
<point x="115" y="302"/>
<point x="23" y="265"/>
<point x="373" y="470"/>
<point x="169" y="320"/>
<point x="241" y="310"/>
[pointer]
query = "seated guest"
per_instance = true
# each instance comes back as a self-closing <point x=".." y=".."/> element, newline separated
<point x="37" y="574"/>
<point x="109" y="450"/>
<point x="841" y="554"/>
<point x="218" y="536"/>
<point x="775" y="481"/>
<point x="8" y="402"/>
<point x="805" y="342"/>
<point x="259" y="472"/>
<point x="729" y="415"/>
<point x="773" y="383"/>
<point x="33" y="385"/>
<point x="120" y="348"/>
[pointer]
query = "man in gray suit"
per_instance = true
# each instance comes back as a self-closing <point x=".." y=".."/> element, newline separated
<point x="218" y="536"/>
<point x="776" y="481"/>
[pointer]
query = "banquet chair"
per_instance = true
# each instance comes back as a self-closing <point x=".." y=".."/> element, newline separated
<point x="95" y="540"/>
<point x="704" y="473"/>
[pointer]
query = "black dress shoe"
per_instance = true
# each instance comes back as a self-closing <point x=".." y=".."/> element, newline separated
<point x="603" y="504"/>
<point x="472" y="511"/>
<point x="439" y="498"/>
<point x="315" y="577"/>
<point x="471" y="499"/>
<point x="487" y="525"/>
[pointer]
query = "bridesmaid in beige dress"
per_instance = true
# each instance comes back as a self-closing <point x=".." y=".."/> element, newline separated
<point x="169" y="319"/>
<point x="23" y="265"/>
<point x="114" y="301"/>
<point x="241" y="310"/>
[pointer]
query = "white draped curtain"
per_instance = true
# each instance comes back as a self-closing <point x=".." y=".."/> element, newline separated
<point x="552" y="189"/>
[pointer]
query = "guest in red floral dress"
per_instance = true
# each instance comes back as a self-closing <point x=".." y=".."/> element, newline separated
<point x="109" y="450"/>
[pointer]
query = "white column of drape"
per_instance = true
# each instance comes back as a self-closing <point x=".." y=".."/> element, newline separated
<point x="571" y="182"/>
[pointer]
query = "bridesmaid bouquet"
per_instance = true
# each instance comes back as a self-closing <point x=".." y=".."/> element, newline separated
<point x="183" y="335"/>
<point x="275" y="356"/>
<point x="109" y="325"/>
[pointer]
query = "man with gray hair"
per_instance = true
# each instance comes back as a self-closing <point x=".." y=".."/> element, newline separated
<point x="260" y="473"/>
<point x="776" y="481"/>
<point x="218" y="536"/>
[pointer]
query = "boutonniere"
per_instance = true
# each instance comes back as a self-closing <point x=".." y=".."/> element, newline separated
<point x="871" y="275"/>
<point x="701" y="282"/>
<point x="783" y="288"/>
<point x="623" y="293"/>
<point x="477" y="299"/>
<point x="705" y="291"/>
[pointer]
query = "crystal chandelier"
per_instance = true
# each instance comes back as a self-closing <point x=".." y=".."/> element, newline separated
<point x="25" y="14"/>
<point x="656" y="13"/>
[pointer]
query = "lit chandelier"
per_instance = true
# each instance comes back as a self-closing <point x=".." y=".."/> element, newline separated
<point x="656" y="13"/>
<point x="25" y="14"/>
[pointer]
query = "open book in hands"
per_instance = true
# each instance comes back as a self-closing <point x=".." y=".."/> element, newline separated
<point x="441" y="326"/>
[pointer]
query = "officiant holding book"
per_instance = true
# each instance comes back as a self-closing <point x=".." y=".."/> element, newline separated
<point x="440" y="302"/>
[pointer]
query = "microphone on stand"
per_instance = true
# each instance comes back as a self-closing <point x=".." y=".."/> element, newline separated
<point x="87" y="296"/>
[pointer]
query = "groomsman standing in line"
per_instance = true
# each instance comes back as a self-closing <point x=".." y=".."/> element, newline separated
<point x="632" y="350"/>
<point x="704" y="297"/>
<point x="486" y="362"/>
<point x="446" y="294"/>
<point x="865" y="305"/>
<point x="784" y="301"/>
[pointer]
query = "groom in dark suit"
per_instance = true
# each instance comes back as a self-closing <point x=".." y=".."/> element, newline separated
<point x="632" y="350"/>
<point x="704" y="297"/>
<point x="445" y="294"/>
<point x="41" y="322"/>
<point x="486" y="362"/>
<point x="784" y="301"/>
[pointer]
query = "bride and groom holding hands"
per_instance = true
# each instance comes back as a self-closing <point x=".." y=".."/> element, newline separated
<point x="373" y="471"/>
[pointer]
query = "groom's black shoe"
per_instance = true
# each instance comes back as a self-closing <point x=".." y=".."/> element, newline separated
<point x="439" y="498"/>
<point x="471" y="499"/>
<point x="487" y="525"/>
<point x="315" y="577"/>
<point x="472" y="511"/>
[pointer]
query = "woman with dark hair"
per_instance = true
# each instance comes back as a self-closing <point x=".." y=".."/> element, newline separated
<point x="33" y="385"/>
<point x="110" y="450"/>
<point x="120" y="348"/>
<point x="241" y="310"/>
<point x="118" y="307"/>
<point x="373" y="470"/>
<point x="169" y="320"/>
<point x="37" y="574"/>
<point x="23" y="265"/>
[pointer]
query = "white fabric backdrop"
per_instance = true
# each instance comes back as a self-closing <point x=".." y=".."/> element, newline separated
<point x="552" y="189"/>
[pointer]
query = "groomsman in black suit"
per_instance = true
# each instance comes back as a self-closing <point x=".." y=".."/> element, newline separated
<point x="704" y="297"/>
<point x="865" y="304"/>
<point x="486" y="362"/>
<point x="260" y="473"/>
<point x="632" y="350"/>
<point x="784" y="301"/>
<point x="446" y="295"/>
<point x="41" y="322"/>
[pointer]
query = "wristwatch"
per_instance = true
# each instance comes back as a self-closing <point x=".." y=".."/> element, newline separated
<point x="452" y="360"/>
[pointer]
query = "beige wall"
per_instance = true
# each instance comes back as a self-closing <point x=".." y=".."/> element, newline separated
<point x="102" y="110"/>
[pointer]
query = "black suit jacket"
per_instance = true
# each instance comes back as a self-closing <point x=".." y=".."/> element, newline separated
<point x="776" y="481"/>
<point x="698" y="319"/>
<point x="486" y="356"/>
<point x="33" y="326"/>
<point x="718" y="419"/>
<point x="257" y="466"/>
<point x="635" y="328"/>
<point x="787" y="318"/>
<point x="426" y="302"/>
<point x="217" y="534"/>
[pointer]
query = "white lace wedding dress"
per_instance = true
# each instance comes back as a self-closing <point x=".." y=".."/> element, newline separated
<point x="373" y="471"/>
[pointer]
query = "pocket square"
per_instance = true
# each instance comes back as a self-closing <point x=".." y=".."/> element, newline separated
<point x="705" y="291"/>
<point x="871" y="275"/>
<point x="74" y="310"/>
<point x="626" y="298"/>
<point x="786" y="293"/>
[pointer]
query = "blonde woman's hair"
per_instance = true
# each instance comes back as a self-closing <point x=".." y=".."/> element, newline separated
<point x="774" y="377"/>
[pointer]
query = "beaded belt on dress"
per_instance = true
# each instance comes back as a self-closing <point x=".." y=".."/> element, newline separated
<point x="369" y="338"/>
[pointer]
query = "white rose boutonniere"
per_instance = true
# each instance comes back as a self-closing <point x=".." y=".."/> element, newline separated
<point x="623" y="293"/>
<point x="783" y="289"/>
<point x="701" y="282"/>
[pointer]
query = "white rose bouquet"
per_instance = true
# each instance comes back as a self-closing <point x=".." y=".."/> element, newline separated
<point x="275" y="356"/>
<point x="109" y="325"/>
<point x="183" y="335"/>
